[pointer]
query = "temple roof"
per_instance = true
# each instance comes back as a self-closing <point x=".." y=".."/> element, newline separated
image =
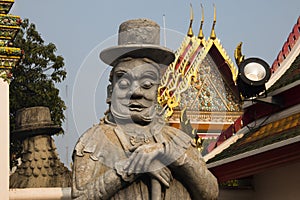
<point x="290" y="76"/>
<point x="284" y="59"/>
<point x="258" y="137"/>
<point x="202" y="80"/>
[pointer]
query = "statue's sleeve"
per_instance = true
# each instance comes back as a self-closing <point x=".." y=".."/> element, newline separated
<point x="200" y="182"/>
<point x="92" y="179"/>
<point x="191" y="168"/>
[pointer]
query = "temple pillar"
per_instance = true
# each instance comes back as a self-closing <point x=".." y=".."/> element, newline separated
<point x="4" y="138"/>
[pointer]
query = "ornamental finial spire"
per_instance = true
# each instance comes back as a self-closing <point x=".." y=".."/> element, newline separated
<point x="200" y="35"/>
<point x="213" y="34"/>
<point x="190" y="31"/>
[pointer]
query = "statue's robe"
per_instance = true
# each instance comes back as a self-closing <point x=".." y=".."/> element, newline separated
<point x="102" y="146"/>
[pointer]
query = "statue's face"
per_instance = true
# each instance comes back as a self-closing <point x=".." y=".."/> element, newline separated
<point x="134" y="94"/>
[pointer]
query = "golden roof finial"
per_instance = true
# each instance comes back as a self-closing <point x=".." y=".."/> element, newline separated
<point x="213" y="34"/>
<point x="200" y="35"/>
<point x="190" y="31"/>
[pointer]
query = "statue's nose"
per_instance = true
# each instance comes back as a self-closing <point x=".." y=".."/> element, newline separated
<point x="135" y="91"/>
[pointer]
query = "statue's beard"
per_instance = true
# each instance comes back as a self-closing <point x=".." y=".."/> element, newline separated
<point x="125" y="115"/>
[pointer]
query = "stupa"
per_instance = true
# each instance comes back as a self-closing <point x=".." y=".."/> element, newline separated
<point x="41" y="166"/>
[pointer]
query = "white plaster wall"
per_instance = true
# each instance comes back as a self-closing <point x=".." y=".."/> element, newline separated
<point x="4" y="139"/>
<point x="40" y="194"/>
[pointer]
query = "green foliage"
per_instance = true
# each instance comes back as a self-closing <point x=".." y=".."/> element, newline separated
<point x="230" y="183"/>
<point x="34" y="79"/>
<point x="243" y="183"/>
<point x="33" y="82"/>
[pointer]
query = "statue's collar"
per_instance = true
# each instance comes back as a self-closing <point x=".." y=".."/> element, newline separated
<point x="132" y="137"/>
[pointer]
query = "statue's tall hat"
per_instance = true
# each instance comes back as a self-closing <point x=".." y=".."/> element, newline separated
<point x="138" y="38"/>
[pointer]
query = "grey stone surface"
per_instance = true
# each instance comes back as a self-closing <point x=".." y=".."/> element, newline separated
<point x="34" y="121"/>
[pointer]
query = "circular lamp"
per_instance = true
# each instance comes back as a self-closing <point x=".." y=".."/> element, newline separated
<point x="253" y="74"/>
<point x="254" y="71"/>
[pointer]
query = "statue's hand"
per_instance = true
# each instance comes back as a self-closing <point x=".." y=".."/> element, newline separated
<point x="141" y="158"/>
<point x="160" y="172"/>
<point x="147" y="159"/>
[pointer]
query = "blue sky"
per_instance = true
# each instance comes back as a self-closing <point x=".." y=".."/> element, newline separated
<point x="80" y="29"/>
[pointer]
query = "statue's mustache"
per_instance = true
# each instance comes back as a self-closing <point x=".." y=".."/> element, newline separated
<point x="147" y="117"/>
<point x="141" y="102"/>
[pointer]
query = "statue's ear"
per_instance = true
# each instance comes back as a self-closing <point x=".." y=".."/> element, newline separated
<point x="109" y="93"/>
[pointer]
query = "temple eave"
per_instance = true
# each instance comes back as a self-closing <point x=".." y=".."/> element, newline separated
<point x="207" y="121"/>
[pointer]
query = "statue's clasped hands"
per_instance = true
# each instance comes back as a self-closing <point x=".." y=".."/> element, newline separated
<point x="148" y="158"/>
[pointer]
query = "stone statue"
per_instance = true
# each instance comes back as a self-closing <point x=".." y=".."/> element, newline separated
<point x="132" y="153"/>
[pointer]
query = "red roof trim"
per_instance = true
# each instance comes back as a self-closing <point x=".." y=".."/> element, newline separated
<point x="287" y="46"/>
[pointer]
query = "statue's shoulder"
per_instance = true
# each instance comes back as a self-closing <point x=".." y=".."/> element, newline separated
<point x="176" y="136"/>
<point x="169" y="131"/>
<point x="93" y="139"/>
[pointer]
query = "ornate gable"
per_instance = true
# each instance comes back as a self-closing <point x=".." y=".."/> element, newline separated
<point x="202" y="80"/>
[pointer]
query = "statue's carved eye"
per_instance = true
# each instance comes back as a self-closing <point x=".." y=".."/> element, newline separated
<point x="123" y="83"/>
<point x="146" y="85"/>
